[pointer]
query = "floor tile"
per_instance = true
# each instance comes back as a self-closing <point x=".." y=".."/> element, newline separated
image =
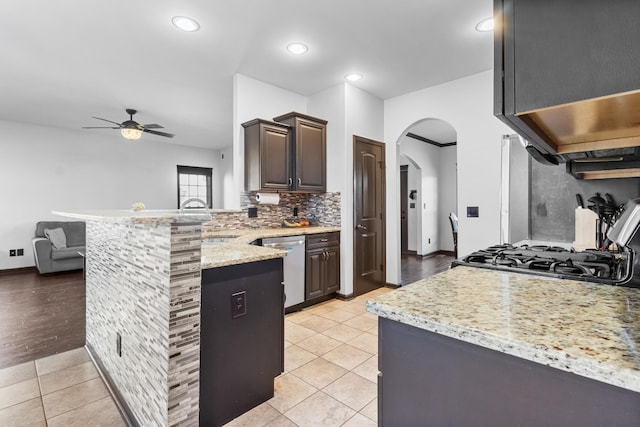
<point x="319" y="344"/>
<point x="355" y="307"/>
<point x="321" y="308"/>
<point x="19" y="392"/>
<point x="281" y="421"/>
<point x="347" y="356"/>
<point x="374" y="330"/>
<point x="319" y="372"/>
<point x="289" y="391"/>
<point x="258" y="416"/>
<point x="18" y="373"/>
<point x="371" y="410"/>
<point x="338" y="315"/>
<point x="299" y="316"/>
<point x="362" y="322"/>
<point x="63" y="360"/>
<point x="73" y="397"/>
<point x="320" y="410"/>
<point x="318" y="324"/>
<point x="23" y="414"/>
<point x="359" y="420"/>
<point x="294" y="332"/>
<point x="352" y="390"/>
<point x="295" y="356"/>
<point x="67" y="377"/>
<point x="368" y="369"/>
<point x="101" y="413"/>
<point x="366" y="342"/>
<point x="342" y="332"/>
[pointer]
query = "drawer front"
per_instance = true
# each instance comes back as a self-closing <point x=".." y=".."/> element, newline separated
<point x="323" y="240"/>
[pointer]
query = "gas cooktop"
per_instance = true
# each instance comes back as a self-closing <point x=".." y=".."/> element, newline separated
<point x="553" y="261"/>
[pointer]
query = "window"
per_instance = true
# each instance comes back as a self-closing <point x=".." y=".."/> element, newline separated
<point x="194" y="183"/>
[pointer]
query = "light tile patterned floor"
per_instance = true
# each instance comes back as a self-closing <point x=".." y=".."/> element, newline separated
<point x="331" y="369"/>
<point x="61" y="390"/>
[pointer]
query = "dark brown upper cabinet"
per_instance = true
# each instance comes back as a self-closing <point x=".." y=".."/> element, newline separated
<point x="309" y="144"/>
<point x="566" y="75"/>
<point x="267" y="153"/>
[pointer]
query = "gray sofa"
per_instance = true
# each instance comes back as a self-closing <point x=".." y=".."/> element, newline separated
<point x="49" y="259"/>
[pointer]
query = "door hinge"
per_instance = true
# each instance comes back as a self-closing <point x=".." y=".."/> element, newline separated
<point x="381" y="163"/>
<point x="381" y="267"/>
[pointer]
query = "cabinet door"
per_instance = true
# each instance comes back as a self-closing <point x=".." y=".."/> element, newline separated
<point x="275" y="158"/>
<point x="313" y="274"/>
<point x="311" y="157"/>
<point x="332" y="270"/>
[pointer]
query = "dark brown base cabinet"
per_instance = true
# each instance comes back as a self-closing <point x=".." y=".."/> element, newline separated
<point x="427" y="379"/>
<point x="240" y="354"/>
<point x="322" y="265"/>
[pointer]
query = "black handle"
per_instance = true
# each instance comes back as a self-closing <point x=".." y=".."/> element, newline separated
<point x="579" y="200"/>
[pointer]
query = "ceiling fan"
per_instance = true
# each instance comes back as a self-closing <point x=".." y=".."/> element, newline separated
<point x="131" y="129"/>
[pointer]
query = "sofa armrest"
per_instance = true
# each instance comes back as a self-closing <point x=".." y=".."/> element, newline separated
<point x="42" y="254"/>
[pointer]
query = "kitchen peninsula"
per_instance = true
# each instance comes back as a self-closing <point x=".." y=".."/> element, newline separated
<point x="481" y="347"/>
<point x="143" y="296"/>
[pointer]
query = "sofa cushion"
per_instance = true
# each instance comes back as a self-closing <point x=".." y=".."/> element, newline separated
<point x="66" y="253"/>
<point x="74" y="230"/>
<point x="57" y="237"/>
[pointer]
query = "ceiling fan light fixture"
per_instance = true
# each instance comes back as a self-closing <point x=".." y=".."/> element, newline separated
<point x="185" y="23"/>
<point x="485" y="25"/>
<point x="131" y="133"/>
<point x="297" y="48"/>
<point x="353" y="77"/>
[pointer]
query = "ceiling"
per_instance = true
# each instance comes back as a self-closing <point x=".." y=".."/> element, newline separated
<point x="64" y="61"/>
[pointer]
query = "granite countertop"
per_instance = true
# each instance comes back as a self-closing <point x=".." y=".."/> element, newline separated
<point x="145" y="216"/>
<point x="237" y="248"/>
<point x="585" y="328"/>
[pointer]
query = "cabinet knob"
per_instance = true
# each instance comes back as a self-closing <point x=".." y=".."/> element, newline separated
<point x="290" y="182"/>
<point x="299" y="181"/>
<point x="324" y="240"/>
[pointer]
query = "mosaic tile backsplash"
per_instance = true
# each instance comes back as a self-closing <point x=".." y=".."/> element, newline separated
<point x="319" y="208"/>
<point x="143" y="281"/>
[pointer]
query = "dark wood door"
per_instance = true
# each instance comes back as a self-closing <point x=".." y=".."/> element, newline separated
<point x="275" y="158"/>
<point x="311" y="164"/>
<point x="369" y="229"/>
<point x="313" y="274"/>
<point x="404" y="202"/>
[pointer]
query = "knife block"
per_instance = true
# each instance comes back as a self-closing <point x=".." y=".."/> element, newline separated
<point x="586" y="226"/>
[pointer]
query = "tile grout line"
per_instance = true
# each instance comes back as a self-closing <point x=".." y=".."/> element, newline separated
<point x="35" y="366"/>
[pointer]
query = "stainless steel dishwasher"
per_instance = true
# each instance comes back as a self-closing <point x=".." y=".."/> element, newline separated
<point x="293" y="266"/>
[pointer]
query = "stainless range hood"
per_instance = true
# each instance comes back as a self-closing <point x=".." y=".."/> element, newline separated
<point x="566" y="79"/>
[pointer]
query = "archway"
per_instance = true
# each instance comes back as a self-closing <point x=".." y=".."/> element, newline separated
<point x="427" y="149"/>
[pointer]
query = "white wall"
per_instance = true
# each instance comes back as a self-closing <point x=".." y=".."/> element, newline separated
<point x="466" y="104"/>
<point x="447" y="188"/>
<point x="412" y="218"/>
<point x="44" y="169"/>
<point x="255" y="99"/>
<point x="227" y="189"/>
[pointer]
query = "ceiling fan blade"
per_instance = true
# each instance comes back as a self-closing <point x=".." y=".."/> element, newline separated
<point x="153" y="126"/>
<point x="155" y="132"/>
<point x="105" y="120"/>
<point x="100" y="127"/>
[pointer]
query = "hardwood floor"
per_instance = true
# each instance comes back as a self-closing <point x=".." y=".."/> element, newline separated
<point x="414" y="268"/>
<point x="40" y="315"/>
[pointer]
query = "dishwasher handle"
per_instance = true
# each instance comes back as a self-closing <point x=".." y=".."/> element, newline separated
<point x="283" y="245"/>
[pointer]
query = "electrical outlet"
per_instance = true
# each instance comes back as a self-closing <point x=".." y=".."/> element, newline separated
<point x="295" y="211"/>
<point x="20" y="252"/>
<point x="119" y="344"/>
<point x="252" y="212"/>
<point x="12" y="252"/>
<point x="238" y="304"/>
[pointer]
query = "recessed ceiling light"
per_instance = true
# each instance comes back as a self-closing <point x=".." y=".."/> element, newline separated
<point x="185" y="23"/>
<point x="485" y="25"/>
<point x="297" y="48"/>
<point x="353" y="77"/>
